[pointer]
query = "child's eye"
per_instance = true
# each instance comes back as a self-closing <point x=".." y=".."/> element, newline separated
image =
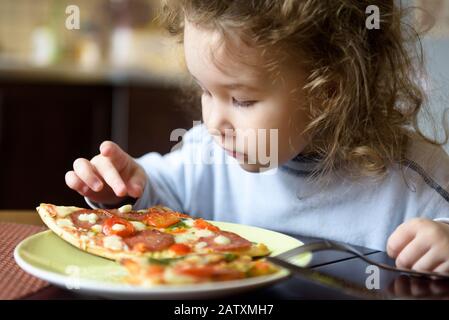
<point x="243" y="104"/>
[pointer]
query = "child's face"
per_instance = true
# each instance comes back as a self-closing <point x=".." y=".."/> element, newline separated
<point x="240" y="100"/>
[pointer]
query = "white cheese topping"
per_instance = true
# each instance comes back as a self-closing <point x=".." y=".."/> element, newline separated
<point x="139" y="226"/>
<point x="125" y="208"/>
<point x="200" y="245"/>
<point x="185" y="237"/>
<point x="97" y="228"/>
<point x="89" y="217"/>
<point x="189" y="222"/>
<point x="113" y="242"/>
<point x="84" y="239"/>
<point x="118" y="227"/>
<point x="192" y="234"/>
<point x="204" y="233"/>
<point x="65" y="211"/>
<point x="64" y="223"/>
<point x="222" y="240"/>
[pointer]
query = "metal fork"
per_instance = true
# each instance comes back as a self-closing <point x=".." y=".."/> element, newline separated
<point x="330" y="245"/>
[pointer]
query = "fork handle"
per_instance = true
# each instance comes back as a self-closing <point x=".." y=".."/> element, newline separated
<point x="330" y="245"/>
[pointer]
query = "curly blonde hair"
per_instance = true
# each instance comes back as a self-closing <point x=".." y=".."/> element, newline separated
<point x="363" y="87"/>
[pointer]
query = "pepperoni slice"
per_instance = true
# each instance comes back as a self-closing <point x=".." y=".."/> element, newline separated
<point x="102" y="215"/>
<point x="237" y="242"/>
<point x="150" y="240"/>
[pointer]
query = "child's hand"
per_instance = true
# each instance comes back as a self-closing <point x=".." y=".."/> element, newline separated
<point x="421" y="244"/>
<point x="108" y="177"/>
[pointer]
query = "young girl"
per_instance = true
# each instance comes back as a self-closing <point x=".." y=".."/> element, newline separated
<point x="332" y="102"/>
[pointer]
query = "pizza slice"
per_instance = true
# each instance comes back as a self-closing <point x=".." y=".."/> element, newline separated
<point x="157" y="232"/>
<point x="192" y="269"/>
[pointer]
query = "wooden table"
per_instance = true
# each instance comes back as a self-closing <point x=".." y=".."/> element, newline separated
<point x="341" y="265"/>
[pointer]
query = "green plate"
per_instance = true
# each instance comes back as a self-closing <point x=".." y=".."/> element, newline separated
<point x="50" y="258"/>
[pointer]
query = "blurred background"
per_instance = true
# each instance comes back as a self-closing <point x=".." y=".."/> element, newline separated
<point x="64" y="90"/>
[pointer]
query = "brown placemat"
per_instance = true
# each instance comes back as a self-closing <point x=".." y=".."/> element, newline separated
<point x="14" y="282"/>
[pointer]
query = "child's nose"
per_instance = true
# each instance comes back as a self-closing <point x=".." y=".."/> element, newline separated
<point x="218" y="121"/>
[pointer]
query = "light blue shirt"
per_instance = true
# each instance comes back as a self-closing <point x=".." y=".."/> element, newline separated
<point x="202" y="180"/>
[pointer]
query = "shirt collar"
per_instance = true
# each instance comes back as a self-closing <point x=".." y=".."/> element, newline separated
<point x="302" y="164"/>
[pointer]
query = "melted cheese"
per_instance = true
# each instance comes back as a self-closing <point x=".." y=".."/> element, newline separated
<point x="65" y="211"/>
<point x="187" y="236"/>
<point x="97" y="228"/>
<point x="118" y="227"/>
<point x="189" y="222"/>
<point x="200" y="245"/>
<point x="89" y="217"/>
<point x="84" y="239"/>
<point x="64" y="223"/>
<point x="192" y="235"/>
<point x="139" y="226"/>
<point x="113" y="242"/>
<point x="126" y="208"/>
<point x="222" y="240"/>
<point x="204" y="233"/>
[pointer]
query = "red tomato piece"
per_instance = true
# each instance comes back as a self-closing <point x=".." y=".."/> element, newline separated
<point x="161" y="219"/>
<point x="110" y="222"/>
<point x="180" y="248"/>
<point x="203" y="224"/>
<point x="181" y="215"/>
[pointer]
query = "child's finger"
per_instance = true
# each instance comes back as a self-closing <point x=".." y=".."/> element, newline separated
<point x="75" y="183"/>
<point x="429" y="261"/>
<point x="136" y="184"/>
<point x="401" y="237"/>
<point x="443" y="267"/>
<point x="115" y="154"/>
<point x="110" y="175"/>
<point x="412" y="253"/>
<point x="86" y="172"/>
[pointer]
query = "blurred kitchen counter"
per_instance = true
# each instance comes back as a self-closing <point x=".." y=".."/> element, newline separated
<point x="72" y="73"/>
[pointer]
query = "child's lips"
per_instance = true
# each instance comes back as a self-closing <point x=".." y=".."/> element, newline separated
<point x="235" y="154"/>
